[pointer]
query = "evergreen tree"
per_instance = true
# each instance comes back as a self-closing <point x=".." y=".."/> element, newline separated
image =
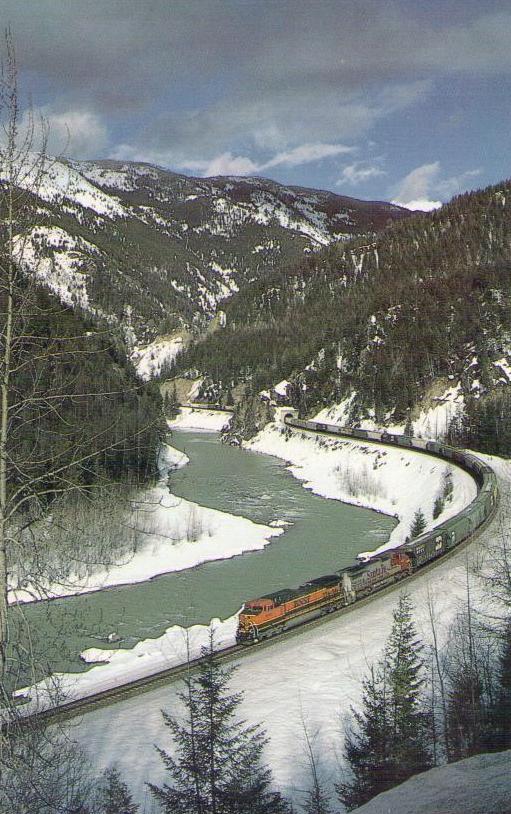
<point x="408" y="429"/>
<point x="367" y="745"/>
<point x="175" y="400"/>
<point x="472" y="680"/>
<point x="466" y="713"/>
<point x="171" y="402"/>
<point x="418" y="524"/>
<point x="448" y="485"/>
<point x="114" y="795"/>
<point x="438" y="507"/>
<point x="410" y="723"/>
<point x="390" y="739"/>
<point x="217" y="768"/>
<point x="316" y="799"/>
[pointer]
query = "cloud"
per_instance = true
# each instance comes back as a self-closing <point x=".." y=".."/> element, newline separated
<point x="228" y="82"/>
<point x="416" y="189"/>
<point x="229" y="164"/>
<point x="456" y="183"/>
<point x="305" y="154"/>
<point x="358" y="173"/>
<point x="122" y="54"/>
<point x="421" y="205"/>
<point x="260" y="82"/>
<point x="77" y="132"/>
<point x="68" y="132"/>
<point x="417" y="184"/>
<point x="225" y="164"/>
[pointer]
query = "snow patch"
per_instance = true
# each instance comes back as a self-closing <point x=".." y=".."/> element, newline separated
<point x="64" y="272"/>
<point x="432" y="421"/>
<point x="123" y="178"/>
<point x="118" y="666"/>
<point x="190" y="418"/>
<point x="504" y="366"/>
<point x="281" y="388"/>
<point x="476" y="785"/>
<point x="151" y="359"/>
<point x="61" y="181"/>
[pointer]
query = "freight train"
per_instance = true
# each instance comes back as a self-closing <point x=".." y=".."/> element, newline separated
<point x="279" y="611"/>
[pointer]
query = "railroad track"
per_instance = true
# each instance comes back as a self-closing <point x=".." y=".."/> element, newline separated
<point x="130" y="689"/>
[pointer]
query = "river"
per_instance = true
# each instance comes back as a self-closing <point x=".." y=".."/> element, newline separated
<point x="325" y="535"/>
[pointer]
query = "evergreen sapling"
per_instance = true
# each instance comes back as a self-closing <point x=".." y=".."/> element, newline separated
<point x="217" y="768"/>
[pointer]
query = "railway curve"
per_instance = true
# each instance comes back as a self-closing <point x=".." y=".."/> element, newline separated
<point x="455" y="533"/>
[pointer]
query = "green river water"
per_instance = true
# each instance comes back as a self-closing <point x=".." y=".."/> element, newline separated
<point x="325" y="536"/>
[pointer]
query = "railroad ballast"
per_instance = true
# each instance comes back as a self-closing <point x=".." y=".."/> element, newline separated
<point x="274" y="613"/>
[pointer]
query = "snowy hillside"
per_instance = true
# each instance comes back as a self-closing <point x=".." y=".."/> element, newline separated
<point x="409" y="328"/>
<point x="477" y="785"/>
<point x="153" y="252"/>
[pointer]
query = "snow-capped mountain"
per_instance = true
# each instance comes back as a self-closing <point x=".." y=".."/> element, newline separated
<point x="155" y="252"/>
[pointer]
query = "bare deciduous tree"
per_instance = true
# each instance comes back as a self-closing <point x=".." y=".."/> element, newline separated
<point x="58" y="434"/>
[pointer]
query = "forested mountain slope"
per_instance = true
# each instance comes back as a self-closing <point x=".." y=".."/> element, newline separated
<point x="76" y="405"/>
<point x="150" y="252"/>
<point x="382" y="326"/>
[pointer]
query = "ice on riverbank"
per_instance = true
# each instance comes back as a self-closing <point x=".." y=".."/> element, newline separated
<point x="118" y="666"/>
<point x="392" y="480"/>
<point x="176" y="534"/>
<point x="190" y="418"/>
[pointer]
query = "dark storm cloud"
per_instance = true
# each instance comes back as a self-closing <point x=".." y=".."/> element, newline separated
<point x="188" y="79"/>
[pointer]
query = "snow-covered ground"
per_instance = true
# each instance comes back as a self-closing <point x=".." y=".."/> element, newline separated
<point x="178" y="535"/>
<point x="150" y="359"/>
<point x="312" y="678"/>
<point x="56" y="181"/>
<point x="391" y="480"/>
<point x="190" y="418"/>
<point x="432" y="422"/>
<point x="477" y="785"/>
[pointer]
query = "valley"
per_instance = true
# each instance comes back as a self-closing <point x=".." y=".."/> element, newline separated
<point x="255" y="400"/>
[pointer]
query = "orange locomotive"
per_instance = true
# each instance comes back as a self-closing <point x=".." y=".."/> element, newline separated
<point x="274" y="613"/>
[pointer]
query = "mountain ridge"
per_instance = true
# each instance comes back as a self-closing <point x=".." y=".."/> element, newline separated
<point x="151" y="251"/>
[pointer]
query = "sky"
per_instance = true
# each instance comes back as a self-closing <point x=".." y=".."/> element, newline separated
<point x="403" y="100"/>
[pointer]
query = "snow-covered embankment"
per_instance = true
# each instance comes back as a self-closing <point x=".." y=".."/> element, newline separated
<point x="191" y="418"/>
<point x="174" y="534"/>
<point x="388" y="479"/>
